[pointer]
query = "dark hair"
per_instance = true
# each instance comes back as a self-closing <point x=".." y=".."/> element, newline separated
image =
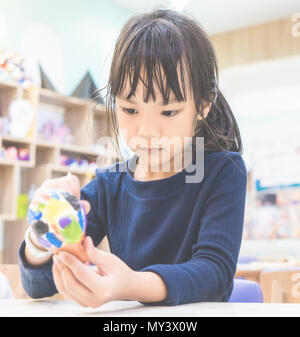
<point x="166" y="38"/>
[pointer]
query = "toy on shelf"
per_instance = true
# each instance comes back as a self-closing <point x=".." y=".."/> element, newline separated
<point x="77" y="163"/>
<point x="21" y="113"/>
<point x="51" y="124"/>
<point x="22" y="206"/>
<point x="23" y="154"/>
<point x="11" y="153"/>
<point x="61" y="134"/>
<point x="14" y="153"/>
<point x="12" y="68"/>
<point x="60" y="223"/>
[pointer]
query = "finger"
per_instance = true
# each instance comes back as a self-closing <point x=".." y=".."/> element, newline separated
<point x="60" y="286"/>
<point x="81" y="271"/>
<point x="97" y="256"/>
<point x="40" y="196"/>
<point x="86" y="205"/>
<point x="64" y="282"/>
<point x="69" y="184"/>
<point x="57" y="278"/>
<point x="74" y="183"/>
<point x="39" y="200"/>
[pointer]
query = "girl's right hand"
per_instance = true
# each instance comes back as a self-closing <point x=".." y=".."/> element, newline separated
<point x="70" y="184"/>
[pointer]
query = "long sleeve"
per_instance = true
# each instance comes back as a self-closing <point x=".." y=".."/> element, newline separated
<point x="208" y="274"/>
<point x="38" y="281"/>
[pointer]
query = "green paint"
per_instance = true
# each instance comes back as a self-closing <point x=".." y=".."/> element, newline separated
<point x="41" y="207"/>
<point x="72" y="233"/>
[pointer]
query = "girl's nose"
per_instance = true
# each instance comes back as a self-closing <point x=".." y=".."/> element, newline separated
<point x="148" y="129"/>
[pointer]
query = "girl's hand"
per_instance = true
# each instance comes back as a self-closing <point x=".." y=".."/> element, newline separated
<point x="110" y="280"/>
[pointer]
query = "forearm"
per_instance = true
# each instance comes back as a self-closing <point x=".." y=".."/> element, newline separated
<point x="147" y="287"/>
<point x="37" y="280"/>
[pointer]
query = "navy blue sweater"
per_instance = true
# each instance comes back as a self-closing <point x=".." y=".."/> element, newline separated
<point x="188" y="233"/>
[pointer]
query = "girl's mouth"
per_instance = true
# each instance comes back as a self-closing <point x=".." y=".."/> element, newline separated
<point x="151" y="150"/>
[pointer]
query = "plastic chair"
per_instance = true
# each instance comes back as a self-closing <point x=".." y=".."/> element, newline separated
<point x="245" y="291"/>
<point x="247" y="259"/>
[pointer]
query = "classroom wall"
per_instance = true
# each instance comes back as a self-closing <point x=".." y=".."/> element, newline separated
<point x="85" y="30"/>
<point x="268" y="41"/>
<point x="262" y="60"/>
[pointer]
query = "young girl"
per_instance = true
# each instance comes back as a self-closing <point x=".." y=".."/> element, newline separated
<point x="171" y="242"/>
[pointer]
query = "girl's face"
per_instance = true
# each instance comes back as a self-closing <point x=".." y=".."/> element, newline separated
<point x="152" y="125"/>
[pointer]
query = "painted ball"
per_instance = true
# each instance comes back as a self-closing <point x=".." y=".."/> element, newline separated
<point x="58" y="222"/>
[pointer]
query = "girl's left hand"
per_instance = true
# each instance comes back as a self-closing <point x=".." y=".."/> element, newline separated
<point x="77" y="281"/>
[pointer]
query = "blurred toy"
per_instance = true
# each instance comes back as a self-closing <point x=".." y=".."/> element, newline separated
<point x="12" y="68"/>
<point x="64" y="135"/>
<point x="11" y="153"/>
<point x="23" y="154"/>
<point x="60" y="223"/>
<point x="61" y="133"/>
<point x="77" y="163"/>
<point x="47" y="131"/>
<point x="21" y="115"/>
<point x="22" y="206"/>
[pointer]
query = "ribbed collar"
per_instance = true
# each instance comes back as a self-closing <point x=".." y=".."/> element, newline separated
<point x="154" y="188"/>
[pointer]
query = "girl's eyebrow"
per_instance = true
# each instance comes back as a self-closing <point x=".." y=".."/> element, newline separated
<point x="132" y="101"/>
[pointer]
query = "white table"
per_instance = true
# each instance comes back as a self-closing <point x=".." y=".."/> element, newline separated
<point x="42" y="308"/>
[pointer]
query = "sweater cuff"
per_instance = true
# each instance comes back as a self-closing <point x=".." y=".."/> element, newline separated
<point x="173" y="282"/>
<point x="37" y="281"/>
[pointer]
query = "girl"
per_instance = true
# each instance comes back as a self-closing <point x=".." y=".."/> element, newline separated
<point x="171" y="242"/>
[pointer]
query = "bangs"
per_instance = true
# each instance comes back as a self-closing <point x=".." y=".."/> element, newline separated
<point x="156" y="57"/>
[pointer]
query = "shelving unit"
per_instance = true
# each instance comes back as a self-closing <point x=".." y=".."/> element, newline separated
<point x="86" y="122"/>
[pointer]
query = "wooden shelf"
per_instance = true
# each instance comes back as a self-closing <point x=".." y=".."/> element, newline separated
<point x="16" y="139"/>
<point x="18" y="163"/>
<point x="86" y="120"/>
<point x="8" y="84"/>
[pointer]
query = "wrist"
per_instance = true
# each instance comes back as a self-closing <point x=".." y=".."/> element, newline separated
<point x="147" y="286"/>
<point x="32" y="252"/>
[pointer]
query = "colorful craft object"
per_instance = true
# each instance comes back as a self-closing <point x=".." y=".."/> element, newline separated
<point x="60" y="223"/>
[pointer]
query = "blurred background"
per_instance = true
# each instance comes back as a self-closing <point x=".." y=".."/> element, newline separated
<point x="53" y="53"/>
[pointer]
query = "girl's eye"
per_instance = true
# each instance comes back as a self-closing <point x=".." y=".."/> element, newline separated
<point x="129" y="111"/>
<point x="165" y="113"/>
<point x="170" y="113"/>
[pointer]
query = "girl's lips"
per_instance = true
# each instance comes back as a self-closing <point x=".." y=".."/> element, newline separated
<point x="150" y="149"/>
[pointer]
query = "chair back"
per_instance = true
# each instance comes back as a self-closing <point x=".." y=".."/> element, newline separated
<point x="246" y="291"/>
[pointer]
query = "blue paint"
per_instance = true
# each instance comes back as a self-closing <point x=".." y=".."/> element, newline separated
<point x="54" y="195"/>
<point x="53" y="240"/>
<point x="81" y="220"/>
<point x="30" y="216"/>
<point x="38" y="215"/>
